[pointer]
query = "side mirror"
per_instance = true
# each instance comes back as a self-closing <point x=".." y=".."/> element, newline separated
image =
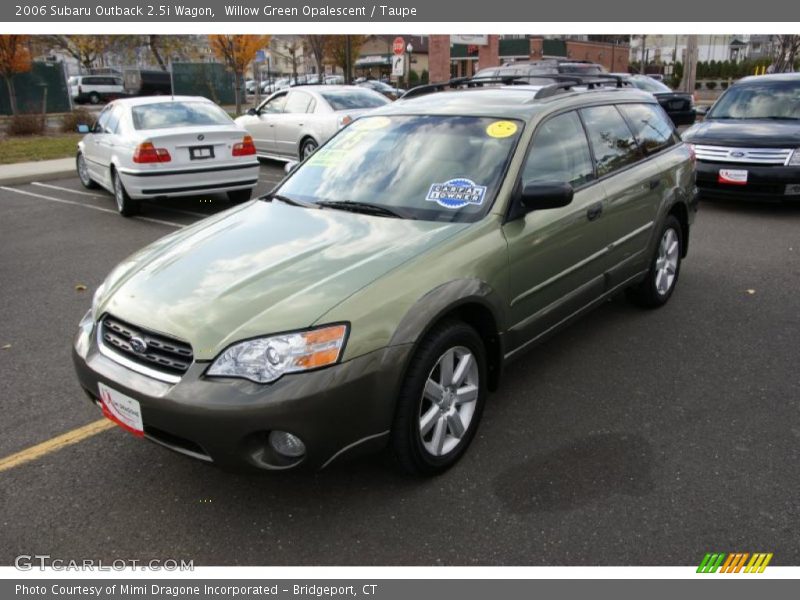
<point x="540" y="196"/>
<point x="701" y="111"/>
<point x="290" y="166"/>
<point x="252" y="112"/>
<point x="82" y="128"/>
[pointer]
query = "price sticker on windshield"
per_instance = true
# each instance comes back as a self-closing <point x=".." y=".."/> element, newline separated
<point x="733" y="176"/>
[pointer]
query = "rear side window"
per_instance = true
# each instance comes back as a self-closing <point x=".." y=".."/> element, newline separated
<point x="611" y="139"/>
<point x="651" y="128"/>
<point x="91" y="81"/>
<point x="559" y="153"/>
<point x="297" y="102"/>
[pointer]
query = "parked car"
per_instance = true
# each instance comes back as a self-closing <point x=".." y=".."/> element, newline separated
<point x="334" y="80"/>
<point x="95" y="88"/>
<point x="292" y="123"/>
<point x="678" y="105"/>
<point x="538" y="68"/>
<point x="150" y="148"/>
<point x="748" y="145"/>
<point x="387" y="90"/>
<point x="147" y="82"/>
<point x="374" y="298"/>
<point x="250" y="86"/>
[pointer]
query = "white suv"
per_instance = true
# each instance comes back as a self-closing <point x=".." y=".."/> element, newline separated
<point x="95" y="88"/>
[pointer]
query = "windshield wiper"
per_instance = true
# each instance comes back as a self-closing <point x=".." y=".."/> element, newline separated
<point x="364" y="207"/>
<point x="289" y="201"/>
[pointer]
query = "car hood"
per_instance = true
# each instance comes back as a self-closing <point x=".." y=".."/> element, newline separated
<point x="258" y="269"/>
<point x="745" y="133"/>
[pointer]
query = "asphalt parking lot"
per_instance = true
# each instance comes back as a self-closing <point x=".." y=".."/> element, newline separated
<point x="631" y="438"/>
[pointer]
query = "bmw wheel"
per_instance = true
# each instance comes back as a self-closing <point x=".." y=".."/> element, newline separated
<point x="83" y="172"/>
<point x="125" y="205"/>
<point x="441" y="401"/>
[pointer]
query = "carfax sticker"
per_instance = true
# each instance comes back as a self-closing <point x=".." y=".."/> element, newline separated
<point x="501" y="129"/>
<point x="456" y="193"/>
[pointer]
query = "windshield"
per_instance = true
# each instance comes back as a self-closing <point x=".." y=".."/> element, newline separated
<point x="435" y="168"/>
<point x="648" y="84"/>
<point x="582" y="69"/>
<point x="162" y="115"/>
<point x="768" y="100"/>
<point x="353" y="99"/>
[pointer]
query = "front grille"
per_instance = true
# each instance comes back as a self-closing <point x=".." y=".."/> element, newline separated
<point x="755" y="156"/>
<point x="158" y="352"/>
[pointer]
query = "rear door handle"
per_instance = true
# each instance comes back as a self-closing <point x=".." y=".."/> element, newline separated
<point x="594" y="211"/>
<point x="654" y="183"/>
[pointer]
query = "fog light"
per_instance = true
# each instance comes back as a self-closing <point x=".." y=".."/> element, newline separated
<point x="286" y="444"/>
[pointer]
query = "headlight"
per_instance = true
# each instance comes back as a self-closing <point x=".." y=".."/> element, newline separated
<point x="795" y="159"/>
<point x="265" y="359"/>
<point x="97" y="298"/>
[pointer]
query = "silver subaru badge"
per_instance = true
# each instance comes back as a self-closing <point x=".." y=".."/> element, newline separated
<point x="138" y="345"/>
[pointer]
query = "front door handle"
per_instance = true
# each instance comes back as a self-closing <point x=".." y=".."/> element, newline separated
<point x="594" y="211"/>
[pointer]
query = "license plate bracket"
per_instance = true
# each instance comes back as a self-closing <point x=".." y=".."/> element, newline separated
<point x="733" y="176"/>
<point x="123" y="410"/>
<point x="201" y="152"/>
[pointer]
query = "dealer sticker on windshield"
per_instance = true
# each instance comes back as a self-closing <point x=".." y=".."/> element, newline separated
<point x="734" y="176"/>
<point x="456" y="193"/>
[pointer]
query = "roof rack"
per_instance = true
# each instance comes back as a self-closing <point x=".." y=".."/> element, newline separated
<point x="563" y="82"/>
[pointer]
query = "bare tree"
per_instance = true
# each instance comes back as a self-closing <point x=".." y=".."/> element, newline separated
<point x="788" y="47"/>
<point x="317" y="44"/>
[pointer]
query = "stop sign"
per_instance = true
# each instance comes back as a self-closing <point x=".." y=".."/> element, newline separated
<point x="399" y="45"/>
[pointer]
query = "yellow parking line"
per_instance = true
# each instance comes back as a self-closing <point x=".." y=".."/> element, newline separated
<point x="55" y="444"/>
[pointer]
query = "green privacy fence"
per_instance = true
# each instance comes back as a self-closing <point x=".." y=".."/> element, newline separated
<point x="30" y="90"/>
<point x="211" y="80"/>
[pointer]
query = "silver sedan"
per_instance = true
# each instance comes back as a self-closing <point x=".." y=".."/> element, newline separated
<point x="292" y="123"/>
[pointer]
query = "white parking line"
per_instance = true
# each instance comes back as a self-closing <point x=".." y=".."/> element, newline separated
<point x="63" y="189"/>
<point x="82" y="193"/>
<point x="89" y="206"/>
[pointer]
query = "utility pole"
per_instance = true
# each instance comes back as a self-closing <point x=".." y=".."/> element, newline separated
<point x="690" y="66"/>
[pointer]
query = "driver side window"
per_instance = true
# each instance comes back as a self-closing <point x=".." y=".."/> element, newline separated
<point x="102" y="121"/>
<point x="559" y="153"/>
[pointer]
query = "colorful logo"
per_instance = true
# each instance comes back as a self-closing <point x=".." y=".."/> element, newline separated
<point x="734" y="562"/>
<point x="456" y="193"/>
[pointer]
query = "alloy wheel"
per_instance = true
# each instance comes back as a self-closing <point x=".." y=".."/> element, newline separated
<point x="119" y="193"/>
<point x="448" y="401"/>
<point x="83" y="170"/>
<point x="667" y="261"/>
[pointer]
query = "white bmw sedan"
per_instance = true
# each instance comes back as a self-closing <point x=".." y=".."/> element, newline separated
<point x="166" y="146"/>
<point x="292" y="123"/>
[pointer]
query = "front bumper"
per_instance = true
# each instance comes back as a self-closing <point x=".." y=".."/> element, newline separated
<point x="341" y="410"/>
<point x="764" y="182"/>
<point x="175" y="182"/>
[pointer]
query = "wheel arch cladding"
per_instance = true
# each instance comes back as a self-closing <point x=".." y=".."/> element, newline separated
<point x="681" y="212"/>
<point x="469" y="300"/>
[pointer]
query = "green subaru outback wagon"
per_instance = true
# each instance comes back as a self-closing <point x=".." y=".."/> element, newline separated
<point x="372" y="299"/>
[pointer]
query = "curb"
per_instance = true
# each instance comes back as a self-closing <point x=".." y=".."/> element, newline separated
<point x="30" y="178"/>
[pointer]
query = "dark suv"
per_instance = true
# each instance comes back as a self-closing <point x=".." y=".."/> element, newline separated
<point x="749" y="144"/>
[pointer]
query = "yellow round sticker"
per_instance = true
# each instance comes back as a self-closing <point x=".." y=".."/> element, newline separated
<point x="370" y="123"/>
<point x="501" y="129"/>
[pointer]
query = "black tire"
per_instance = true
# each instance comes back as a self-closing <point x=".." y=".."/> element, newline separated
<point x="94" y="98"/>
<point x="307" y="148"/>
<point x="125" y="205"/>
<point x="83" y="173"/>
<point x="239" y="196"/>
<point x="407" y="443"/>
<point x="647" y="293"/>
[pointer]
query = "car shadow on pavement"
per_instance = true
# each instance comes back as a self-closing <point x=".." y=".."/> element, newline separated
<point x="769" y="208"/>
<point x="585" y="470"/>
